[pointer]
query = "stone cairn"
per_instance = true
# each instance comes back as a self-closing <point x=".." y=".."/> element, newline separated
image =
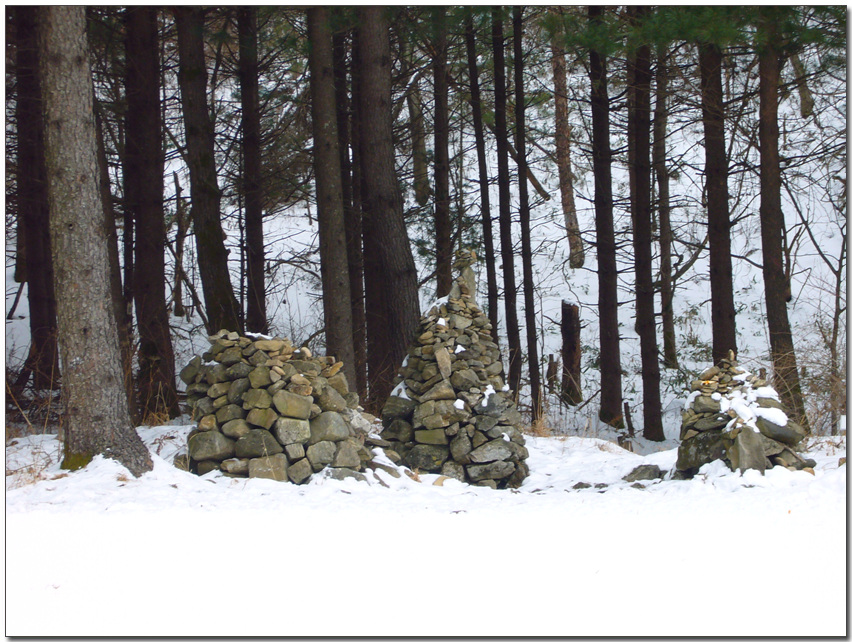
<point x="267" y="409"/>
<point x="450" y="411"/>
<point x="735" y="416"/>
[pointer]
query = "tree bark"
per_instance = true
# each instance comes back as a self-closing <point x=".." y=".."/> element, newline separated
<point x="658" y="152"/>
<point x="786" y="378"/>
<point x="33" y="214"/>
<point x="577" y="254"/>
<point x="96" y="418"/>
<point x="639" y="146"/>
<point x="610" y="355"/>
<point x="572" y="392"/>
<point x="143" y="198"/>
<point x="722" y="310"/>
<point x="482" y="164"/>
<point x="443" y="224"/>
<point x="524" y="210"/>
<point x="510" y="290"/>
<point x="347" y="136"/>
<point x="219" y="300"/>
<point x="256" y="320"/>
<point x="337" y="307"/>
<point x="393" y="310"/>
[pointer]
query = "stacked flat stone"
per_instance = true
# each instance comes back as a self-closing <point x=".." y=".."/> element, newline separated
<point x="450" y="411"/>
<point x="723" y="421"/>
<point x="267" y="409"/>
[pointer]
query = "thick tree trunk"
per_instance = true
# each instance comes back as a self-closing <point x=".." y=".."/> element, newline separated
<point x="658" y="152"/>
<point x="572" y="392"/>
<point x="222" y="306"/>
<point x="347" y="135"/>
<point x="577" y="256"/>
<point x="722" y="311"/>
<point x="33" y="214"/>
<point x="337" y="307"/>
<point x="419" y="157"/>
<point x="610" y="354"/>
<point x="524" y="209"/>
<point x="256" y="320"/>
<point x="393" y="310"/>
<point x="143" y="194"/>
<point x="482" y="164"/>
<point x="97" y="419"/>
<point x="639" y="145"/>
<point x="501" y="133"/>
<point x="786" y="378"/>
<point x="443" y="224"/>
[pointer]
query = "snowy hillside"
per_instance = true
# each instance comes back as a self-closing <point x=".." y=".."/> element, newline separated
<point x="576" y="551"/>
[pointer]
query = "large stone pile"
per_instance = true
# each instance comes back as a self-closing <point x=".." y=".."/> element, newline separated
<point x="267" y="409"/>
<point x="450" y="411"/>
<point x="736" y="416"/>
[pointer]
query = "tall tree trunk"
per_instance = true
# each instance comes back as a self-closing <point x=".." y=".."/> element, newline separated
<point x="772" y="228"/>
<point x="639" y="145"/>
<point x="337" y="307"/>
<point x="97" y="419"/>
<point x="347" y="135"/>
<point x="577" y="256"/>
<point x="501" y="133"/>
<point x="482" y="164"/>
<point x="222" y="306"/>
<point x="572" y="392"/>
<point x="443" y="224"/>
<point x="524" y="208"/>
<point x="419" y="157"/>
<point x="658" y="152"/>
<point x="722" y="311"/>
<point x="33" y="213"/>
<point x="143" y="198"/>
<point x="610" y="354"/>
<point x="256" y="320"/>
<point x="393" y="310"/>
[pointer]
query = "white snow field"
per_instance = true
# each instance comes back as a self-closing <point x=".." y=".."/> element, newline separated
<point x="99" y="553"/>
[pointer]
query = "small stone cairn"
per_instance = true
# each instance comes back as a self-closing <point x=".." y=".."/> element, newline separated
<point x="267" y="409"/>
<point x="736" y="417"/>
<point x="450" y="411"/>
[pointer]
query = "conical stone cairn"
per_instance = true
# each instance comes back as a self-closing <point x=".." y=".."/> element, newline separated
<point x="450" y="411"/>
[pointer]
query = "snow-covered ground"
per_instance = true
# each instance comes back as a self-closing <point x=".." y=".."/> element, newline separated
<point x="98" y="552"/>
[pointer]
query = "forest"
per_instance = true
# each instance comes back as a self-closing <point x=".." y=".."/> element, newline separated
<point x="647" y="189"/>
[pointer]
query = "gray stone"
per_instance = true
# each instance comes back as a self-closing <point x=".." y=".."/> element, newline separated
<point x="494" y="470"/>
<point x="299" y="471"/>
<point x="321" y="454"/>
<point x="427" y="457"/>
<point x="496" y="406"/>
<point x="263" y="417"/>
<point x="399" y="430"/>
<point x="292" y="405"/>
<point x="239" y="370"/>
<point x="397" y="408"/>
<point x="340" y="474"/>
<point x="204" y="406"/>
<point x="294" y="451"/>
<point x="459" y="322"/>
<point x="338" y="382"/>
<point x="230" y="356"/>
<point x="331" y="400"/>
<point x="495" y="450"/>
<point x="453" y="469"/>
<point x="329" y="426"/>
<point x="272" y="467"/>
<point x="235" y="466"/>
<point x="257" y="443"/>
<point x="436" y="436"/>
<point x="205" y="467"/>
<point x="704" y="403"/>
<point x="460" y="448"/>
<point x="464" y="380"/>
<point x="218" y="389"/>
<point x="238" y="387"/>
<point x="346" y="456"/>
<point x="442" y="358"/>
<point x="711" y="423"/>
<point x="191" y="370"/>
<point x="441" y="390"/>
<point x="747" y="451"/>
<point x="703" y="448"/>
<point x="791" y="434"/>
<point x="236" y="428"/>
<point x="208" y="422"/>
<point x="256" y="398"/>
<point x="211" y="445"/>
<point x="292" y="431"/>
<point x="259" y="377"/>
<point x="644" y="472"/>
<point x="228" y="413"/>
<point x="217" y="374"/>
